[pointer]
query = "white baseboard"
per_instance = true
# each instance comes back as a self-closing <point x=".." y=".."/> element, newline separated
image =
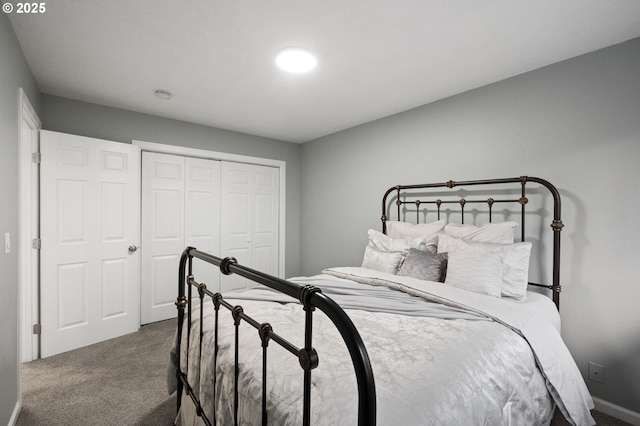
<point x="14" y="416"/>
<point x="616" y="411"/>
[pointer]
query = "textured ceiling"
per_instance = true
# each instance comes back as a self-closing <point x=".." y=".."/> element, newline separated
<point x="375" y="57"/>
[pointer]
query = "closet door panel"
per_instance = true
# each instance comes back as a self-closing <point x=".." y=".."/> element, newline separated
<point x="265" y="259"/>
<point x="236" y="224"/>
<point x="249" y="219"/>
<point x="265" y="219"/>
<point x="181" y="207"/>
<point x="202" y="213"/>
<point x="162" y="233"/>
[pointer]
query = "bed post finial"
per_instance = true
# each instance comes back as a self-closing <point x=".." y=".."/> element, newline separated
<point x="217" y="298"/>
<point x="236" y="313"/>
<point x="201" y="289"/>
<point x="305" y="293"/>
<point x="265" y="331"/>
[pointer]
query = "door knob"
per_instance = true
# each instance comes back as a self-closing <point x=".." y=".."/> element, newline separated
<point x="132" y="249"/>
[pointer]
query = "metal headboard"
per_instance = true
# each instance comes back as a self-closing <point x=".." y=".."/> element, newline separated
<point x="407" y="195"/>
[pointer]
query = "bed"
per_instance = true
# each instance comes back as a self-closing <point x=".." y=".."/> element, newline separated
<point x="441" y="324"/>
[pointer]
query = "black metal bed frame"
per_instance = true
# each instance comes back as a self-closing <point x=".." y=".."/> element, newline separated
<point x="312" y="297"/>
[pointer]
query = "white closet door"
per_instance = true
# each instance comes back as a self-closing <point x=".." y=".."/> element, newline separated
<point x="180" y="208"/>
<point x="202" y="214"/>
<point x="249" y="219"/>
<point x="265" y="220"/>
<point x="236" y="216"/>
<point x="90" y="212"/>
<point x="162" y="234"/>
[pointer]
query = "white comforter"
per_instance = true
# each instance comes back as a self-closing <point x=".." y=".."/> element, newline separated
<point x="463" y="362"/>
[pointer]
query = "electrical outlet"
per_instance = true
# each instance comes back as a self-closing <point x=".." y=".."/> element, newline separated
<point x="596" y="372"/>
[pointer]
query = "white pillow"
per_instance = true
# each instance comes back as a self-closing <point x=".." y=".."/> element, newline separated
<point x="428" y="231"/>
<point x="384" y="242"/>
<point x="515" y="260"/>
<point x="381" y="261"/>
<point x="475" y="270"/>
<point x="502" y="232"/>
<point x="384" y="253"/>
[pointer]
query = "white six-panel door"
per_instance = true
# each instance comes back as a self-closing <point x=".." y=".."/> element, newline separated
<point x="180" y="208"/>
<point x="249" y="219"/>
<point x="90" y="213"/>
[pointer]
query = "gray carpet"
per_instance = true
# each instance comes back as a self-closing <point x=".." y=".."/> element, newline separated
<point x="118" y="382"/>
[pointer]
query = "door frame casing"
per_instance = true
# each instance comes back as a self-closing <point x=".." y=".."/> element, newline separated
<point x="28" y="276"/>
<point x="222" y="156"/>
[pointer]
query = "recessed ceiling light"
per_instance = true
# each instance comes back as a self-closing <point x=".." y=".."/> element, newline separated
<point x="163" y="94"/>
<point x="296" y="59"/>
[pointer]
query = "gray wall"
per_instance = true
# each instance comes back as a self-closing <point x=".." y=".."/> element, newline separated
<point x="575" y="123"/>
<point x="81" y="118"/>
<point x="14" y="73"/>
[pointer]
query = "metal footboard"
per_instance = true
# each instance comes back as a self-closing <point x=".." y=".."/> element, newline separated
<point x="309" y="296"/>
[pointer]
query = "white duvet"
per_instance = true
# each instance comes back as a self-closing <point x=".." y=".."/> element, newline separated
<point x="467" y="360"/>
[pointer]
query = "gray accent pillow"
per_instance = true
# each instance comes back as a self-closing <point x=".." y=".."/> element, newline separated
<point x="424" y="265"/>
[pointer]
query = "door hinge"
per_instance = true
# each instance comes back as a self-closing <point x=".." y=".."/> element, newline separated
<point x="36" y="243"/>
<point x="37" y="328"/>
<point x="36" y="157"/>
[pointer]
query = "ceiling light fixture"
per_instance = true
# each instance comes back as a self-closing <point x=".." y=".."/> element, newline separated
<point x="296" y="59"/>
<point x="164" y="95"/>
